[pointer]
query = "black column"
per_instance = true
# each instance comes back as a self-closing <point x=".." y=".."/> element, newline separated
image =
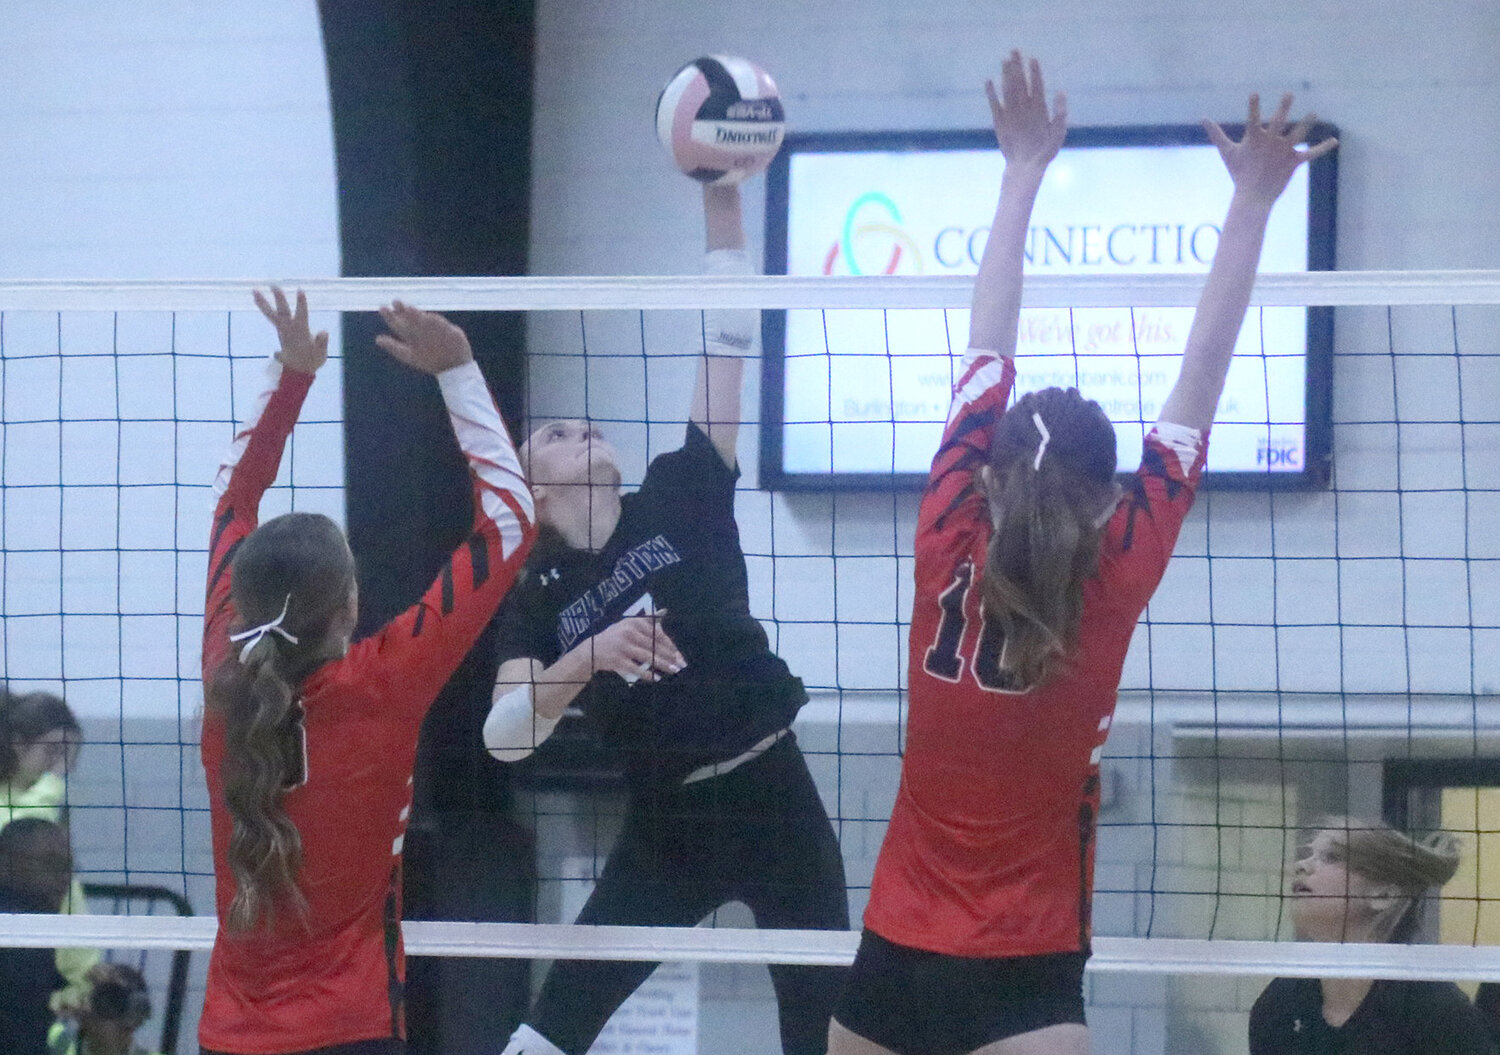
<point x="432" y="127"/>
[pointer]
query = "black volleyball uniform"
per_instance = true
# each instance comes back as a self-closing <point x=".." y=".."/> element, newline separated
<point x="706" y="824"/>
<point x="1395" y="1018"/>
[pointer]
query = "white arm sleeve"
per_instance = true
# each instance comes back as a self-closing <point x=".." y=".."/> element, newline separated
<point x="513" y="729"/>
<point x="1182" y="440"/>
<point x="481" y="435"/>
<point x="728" y="331"/>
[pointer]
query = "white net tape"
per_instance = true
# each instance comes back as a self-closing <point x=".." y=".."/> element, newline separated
<point x="1332" y="288"/>
<point x="811" y="947"/>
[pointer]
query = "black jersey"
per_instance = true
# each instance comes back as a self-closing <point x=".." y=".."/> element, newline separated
<point x="1396" y="1018"/>
<point x="676" y="548"/>
<point x="28" y="978"/>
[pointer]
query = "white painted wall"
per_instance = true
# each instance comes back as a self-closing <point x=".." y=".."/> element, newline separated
<point x="171" y="139"/>
<point x="165" y="140"/>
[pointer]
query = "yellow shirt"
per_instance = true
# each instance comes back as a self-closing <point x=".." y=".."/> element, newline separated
<point x="44" y="798"/>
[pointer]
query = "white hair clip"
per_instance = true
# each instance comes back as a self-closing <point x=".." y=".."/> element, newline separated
<point x="252" y="637"/>
<point x="1041" y="448"/>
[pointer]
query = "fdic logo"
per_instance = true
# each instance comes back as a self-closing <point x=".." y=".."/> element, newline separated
<point x="1278" y="453"/>
<point x="873" y="242"/>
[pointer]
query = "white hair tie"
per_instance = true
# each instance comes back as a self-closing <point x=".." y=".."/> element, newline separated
<point x="1041" y="448"/>
<point x="252" y="637"/>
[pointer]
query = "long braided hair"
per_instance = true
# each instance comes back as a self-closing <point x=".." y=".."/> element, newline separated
<point x="300" y="565"/>
<point x="1050" y="477"/>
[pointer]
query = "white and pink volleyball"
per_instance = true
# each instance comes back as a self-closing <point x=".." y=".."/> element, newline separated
<point x="721" y="118"/>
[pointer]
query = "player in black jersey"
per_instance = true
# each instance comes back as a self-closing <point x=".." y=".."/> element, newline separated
<point x="1362" y="881"/>
<point x="636" y="609"/>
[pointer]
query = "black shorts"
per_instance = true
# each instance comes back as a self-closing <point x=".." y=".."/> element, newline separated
<point x="928" y="1003"/>
<point x="381" y="1046"/>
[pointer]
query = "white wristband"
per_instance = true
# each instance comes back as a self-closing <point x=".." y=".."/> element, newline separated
<point x="513" y="729"/>
<point x="527" y="1041"/>
<point x="728" y="331"/>
<point x="1182" y="440"/>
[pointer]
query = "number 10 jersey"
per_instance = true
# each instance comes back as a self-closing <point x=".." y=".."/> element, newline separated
<point x="991" y="844"/>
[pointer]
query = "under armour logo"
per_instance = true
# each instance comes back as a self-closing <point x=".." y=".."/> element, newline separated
<point x="550" y="576"/>
<point x="1296" y="1025"/>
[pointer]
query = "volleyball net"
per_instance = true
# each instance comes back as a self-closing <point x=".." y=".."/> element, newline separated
<point x="1312" y="650"/>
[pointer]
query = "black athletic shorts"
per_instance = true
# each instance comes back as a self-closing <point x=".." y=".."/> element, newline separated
<point x="381" y="1046"/>
<point x="927" y="1003"/>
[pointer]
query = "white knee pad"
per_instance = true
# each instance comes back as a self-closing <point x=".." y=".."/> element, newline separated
<point x="527" y="1041"/>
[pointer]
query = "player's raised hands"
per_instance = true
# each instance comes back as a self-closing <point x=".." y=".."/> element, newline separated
<point x="636" y="647"/>
<point x="423" y="340"/>
<point x="1028" y="135"/>
<point x="1263" y="161"/>
<point x="301" y="350"/>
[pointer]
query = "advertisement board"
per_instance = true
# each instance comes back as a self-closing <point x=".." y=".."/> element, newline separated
<point x="857" y="398"/>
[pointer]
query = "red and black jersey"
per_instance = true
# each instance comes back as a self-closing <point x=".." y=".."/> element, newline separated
<point x="335" y="976"/>
<point x="990" y="847"/>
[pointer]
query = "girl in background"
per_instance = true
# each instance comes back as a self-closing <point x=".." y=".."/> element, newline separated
<point x="39" y="743"/>
<point x="1359" y="881"/>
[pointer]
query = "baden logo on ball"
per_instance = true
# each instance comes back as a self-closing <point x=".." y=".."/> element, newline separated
<point x="721" y="119"/>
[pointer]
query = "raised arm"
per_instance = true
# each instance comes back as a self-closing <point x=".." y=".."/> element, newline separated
<point x="728" y="333"/>
<point x="1261" y="164"/>
<point x="1029" y="139"/>
<point x="415" y="654"/>
<point x="254" y="458"/>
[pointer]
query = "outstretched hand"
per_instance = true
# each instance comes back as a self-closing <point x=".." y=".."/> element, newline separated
<point x="423" y="340"/>
<point x="1027" y="134"/>
<point x="1262" y="162"/>
<point x="300" y="349"/>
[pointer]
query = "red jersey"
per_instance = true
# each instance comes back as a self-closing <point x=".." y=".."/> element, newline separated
<point x="336" y="976"/>
<point x="990" y="847"/>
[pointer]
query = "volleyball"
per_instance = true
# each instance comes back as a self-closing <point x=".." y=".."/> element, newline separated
<point x="720" y="117"/>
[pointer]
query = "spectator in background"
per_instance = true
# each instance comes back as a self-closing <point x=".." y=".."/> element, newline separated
<point x="118" y="1005"/>
<point x="39" y="742"/>
<point x="1361" y="881"/>
<point x="36" y="868"/>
